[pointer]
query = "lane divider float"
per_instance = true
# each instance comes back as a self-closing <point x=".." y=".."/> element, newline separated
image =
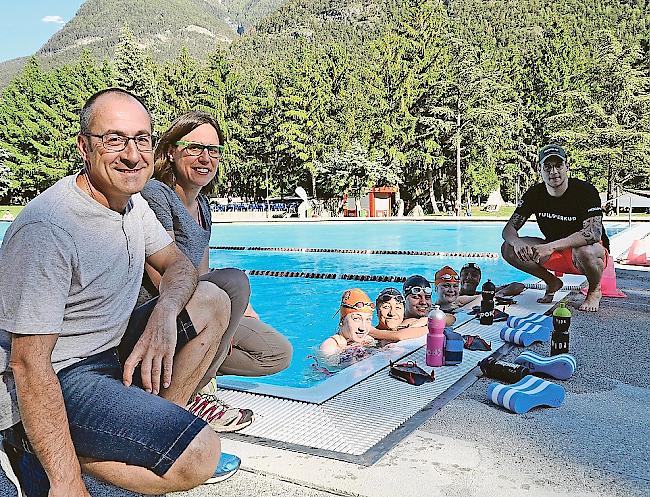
<point x="483" y="255"/>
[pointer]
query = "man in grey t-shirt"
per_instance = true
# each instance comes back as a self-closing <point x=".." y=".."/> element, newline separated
<point x="71" y="265"/>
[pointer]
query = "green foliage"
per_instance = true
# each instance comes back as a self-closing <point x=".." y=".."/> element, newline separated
<point x="448" y="100"/>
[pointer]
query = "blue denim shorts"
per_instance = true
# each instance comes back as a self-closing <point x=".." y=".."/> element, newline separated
<point x="111" y="422"/>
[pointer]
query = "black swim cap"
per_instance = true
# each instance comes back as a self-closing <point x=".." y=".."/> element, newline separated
<point x="415" y="280"/>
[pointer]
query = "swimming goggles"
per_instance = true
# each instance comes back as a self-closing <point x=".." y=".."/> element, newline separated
<point x="417" y="290"/>
<point x="358" y="305"/>
<point x="471" y="265"/>
<point x="386" y="297"/>
<point x="448" y="277"/>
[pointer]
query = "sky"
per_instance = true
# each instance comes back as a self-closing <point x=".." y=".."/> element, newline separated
<point x="25" y="25"/>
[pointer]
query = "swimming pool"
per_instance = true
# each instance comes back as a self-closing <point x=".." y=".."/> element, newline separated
<point x="302" y="309"/>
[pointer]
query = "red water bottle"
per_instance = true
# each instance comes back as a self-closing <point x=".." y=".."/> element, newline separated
<point x="436" y="337"/>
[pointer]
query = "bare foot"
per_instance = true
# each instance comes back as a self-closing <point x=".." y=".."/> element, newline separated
<point x="592" y="301"/>
<point x="551" y="288"/>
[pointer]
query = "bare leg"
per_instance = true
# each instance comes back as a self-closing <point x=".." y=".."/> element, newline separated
<point x="590" y="259"/>
<point x="191" y="469"/>
<point x="209" y="309"/>
<point x="553" y="283"/>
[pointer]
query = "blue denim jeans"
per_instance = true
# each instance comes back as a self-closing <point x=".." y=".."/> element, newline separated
<point x="111" y="422"/>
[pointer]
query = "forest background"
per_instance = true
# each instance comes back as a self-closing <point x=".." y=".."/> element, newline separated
<point x="447" y="100"/>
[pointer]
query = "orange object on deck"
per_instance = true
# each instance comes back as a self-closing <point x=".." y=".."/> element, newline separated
<point x="638" y="254"/>
<point x="608" y="281"/>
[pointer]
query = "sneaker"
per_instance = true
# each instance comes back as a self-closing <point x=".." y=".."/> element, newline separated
<point x="219" y="415"/>
<point x="228" y="466"/>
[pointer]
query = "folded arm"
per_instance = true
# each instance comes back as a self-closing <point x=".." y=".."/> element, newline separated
<point x="43" y="413"/>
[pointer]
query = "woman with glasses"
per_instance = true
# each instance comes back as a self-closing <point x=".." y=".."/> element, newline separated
<point x="185" y="171"/>
<point x="352" y="338"/>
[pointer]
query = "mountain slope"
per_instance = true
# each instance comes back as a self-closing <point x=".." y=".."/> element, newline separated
<point x="161" y="26"/>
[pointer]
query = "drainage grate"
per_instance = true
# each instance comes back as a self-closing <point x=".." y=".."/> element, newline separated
<point x="363" y="422"/>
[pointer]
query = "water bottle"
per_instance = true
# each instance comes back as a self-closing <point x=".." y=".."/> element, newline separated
<point x="502" y="370"/>
<point x="486" y="315"/>
<point x="488" y="290"/>
<point x="560" y="335"/>
<point x="436" y="337"/>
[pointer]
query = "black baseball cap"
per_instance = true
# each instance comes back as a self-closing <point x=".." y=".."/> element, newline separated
<point x="413" y="281"/>
<point x="550" y="150"/>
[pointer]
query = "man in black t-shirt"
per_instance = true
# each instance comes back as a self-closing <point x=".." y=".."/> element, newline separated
<point x="570" y="217"/>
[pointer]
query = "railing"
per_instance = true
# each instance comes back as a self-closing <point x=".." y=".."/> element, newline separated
<point x="629" y="212"/>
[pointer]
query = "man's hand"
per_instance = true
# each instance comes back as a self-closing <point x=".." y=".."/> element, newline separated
<point x="542" y="252"/>
<point x="154" y="351"/>
<point x="524" y="251"/>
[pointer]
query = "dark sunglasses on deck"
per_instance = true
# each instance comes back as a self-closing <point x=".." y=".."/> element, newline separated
<point x="417" y="290"/>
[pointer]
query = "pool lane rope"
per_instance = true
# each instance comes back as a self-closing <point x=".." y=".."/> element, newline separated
<point x="361" y="277"/>
<point x="483" y="255"/>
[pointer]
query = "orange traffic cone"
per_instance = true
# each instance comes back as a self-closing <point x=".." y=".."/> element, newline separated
<point x="608" y="281"/>
<point x="637" y="255"/>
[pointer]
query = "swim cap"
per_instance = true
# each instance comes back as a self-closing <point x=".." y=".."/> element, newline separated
<point x="413" y="281"/>
<point x="355" y="300"/>
<point x="446" y="275"/>
<point x="387" y="294"/>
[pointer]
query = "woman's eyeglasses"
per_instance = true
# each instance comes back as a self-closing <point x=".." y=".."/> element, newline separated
<point x="196" y="149"/>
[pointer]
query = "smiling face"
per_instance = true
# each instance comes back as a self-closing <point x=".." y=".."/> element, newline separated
<point x="117" y="175"/>
<point x="418" y="306"/>
<point x="390" y="314"/>
<point x="195" y="171"/>
<point x="447" y="293"/>
<point x="356" y="326"/>
<point x="470" y="277"/>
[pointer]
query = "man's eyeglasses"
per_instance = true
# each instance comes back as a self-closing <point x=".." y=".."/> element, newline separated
<point x="554" y="165"/>
<point x="417" y="290"/>
<point x="358" y="305"/>
<point x="196" y="149"/>
<point x="116" y="143"/>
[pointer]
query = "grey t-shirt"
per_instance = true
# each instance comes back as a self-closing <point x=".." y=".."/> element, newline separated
<point x="191" y="238"/>
<point x="72" y="267"/>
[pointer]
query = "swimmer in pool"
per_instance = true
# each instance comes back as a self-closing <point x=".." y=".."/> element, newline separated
<point x="354" y="326"/>
<point x="392" y="326"/>
<point x="448" y="295"/>
<point x="470" y="277"/>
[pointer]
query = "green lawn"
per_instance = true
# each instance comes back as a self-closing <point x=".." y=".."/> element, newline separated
<point x="14" y="209"/>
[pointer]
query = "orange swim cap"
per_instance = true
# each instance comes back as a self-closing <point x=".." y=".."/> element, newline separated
<point x="446" y="275"/>
<point x="355" y="300"/>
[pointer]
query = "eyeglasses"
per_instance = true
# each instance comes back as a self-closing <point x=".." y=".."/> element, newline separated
<point x="196" y="149"/>
<point x="114" y="142"/>
<point x="549" y="167"/>
<point x="386" y="297"/>
<point x="417" y="290"/>
<point x="358" y="305"/>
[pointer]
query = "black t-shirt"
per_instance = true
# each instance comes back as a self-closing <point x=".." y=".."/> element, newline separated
<point x="559" y="217"/>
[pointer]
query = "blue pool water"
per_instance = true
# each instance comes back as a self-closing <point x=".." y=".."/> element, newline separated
<point x="302" y="309"/>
